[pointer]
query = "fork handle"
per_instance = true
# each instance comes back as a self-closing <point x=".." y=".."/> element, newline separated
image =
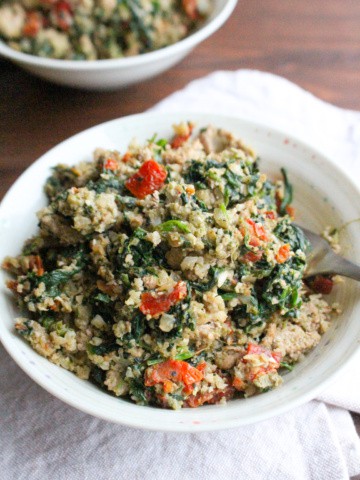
<point x="332" y="263"/>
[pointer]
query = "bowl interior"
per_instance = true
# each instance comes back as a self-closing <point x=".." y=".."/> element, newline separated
<point x="323" y="196"/>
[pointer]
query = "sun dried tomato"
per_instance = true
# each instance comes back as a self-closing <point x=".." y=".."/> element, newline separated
<point x="33" y="23"/>
<point x="110" y="164"/>
<point x="270" y="214"/>
<point x="154" y="304"/>
<point x="190" y="8"/>
<point x="178" y="140"/>
<point x="254" y="349"/>
<point x="62" y="15"/>
<point x="126" y="157"/>
<point x="172" y="371"/>
<point x="252" y="257"/>
<point x="36" y="265"/>
<point x="210" y="397"/>
<point x="255" y="372"/>
<point x="150" y="177"/>
<point x="257" y="229"/>
<point x="321" y="284"/>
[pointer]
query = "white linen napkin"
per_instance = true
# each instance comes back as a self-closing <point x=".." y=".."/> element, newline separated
<point x="42" y="438"/>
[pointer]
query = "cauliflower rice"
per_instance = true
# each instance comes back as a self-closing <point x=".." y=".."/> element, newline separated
<point x="170" y="274"/>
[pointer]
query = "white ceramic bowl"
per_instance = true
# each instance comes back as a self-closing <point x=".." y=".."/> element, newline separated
<point x="119" y="72"/>
<point x="323" y="195"/>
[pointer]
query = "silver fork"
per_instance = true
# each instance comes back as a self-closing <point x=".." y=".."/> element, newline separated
<point x="323" y="261"/>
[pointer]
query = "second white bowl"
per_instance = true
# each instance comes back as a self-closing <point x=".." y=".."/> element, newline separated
<point x="118" y="72"/>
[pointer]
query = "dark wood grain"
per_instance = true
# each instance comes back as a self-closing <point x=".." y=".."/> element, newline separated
<point x="313" y="43"/>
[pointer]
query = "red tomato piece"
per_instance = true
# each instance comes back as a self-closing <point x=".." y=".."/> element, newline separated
<point x="33" y="24"/>
<point x="257" y="234"/>
<point x="270" y="214"/>
<point x="290" y="211"/>
<point x="36" y="265"/>
<point x="201" y="366"/>
<point x="238" y="384"/>
<point x="252" y="257"/>
<point x="322" y="285"/>
<point x="254" y="242"/>
<point x="190" y="8"/>
<point x="256" y="372"/>
<point x="257" y="229"/>
<point x="178" y="140"/>
<point x="12" y="284"/>
<point x="150" y="177"/>
<point x="210" y="397"/>
<point x="126" y="157"/>
<point x="254" y="349"/>
<point x="173" y="371"/>
<point x="152" y="304"/>
<point x="283" y="253"/>
<point x="62" y="15"/>
<point x="110" y="164"/>
<point x="168" y="386"/>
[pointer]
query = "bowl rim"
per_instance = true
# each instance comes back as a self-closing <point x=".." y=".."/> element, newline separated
<point x="188" y="42"/>
<point x="300" y="399"/>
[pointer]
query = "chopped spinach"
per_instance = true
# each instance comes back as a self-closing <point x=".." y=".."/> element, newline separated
<point x="288" y="194"/>
<point x="108" y="182"/>
<point x="102" y="297"/>
<point x="25" y="329"/>
<point x="98" y="376"/>
<point x="143" y="252"/>
<point x="281" y="289"/>
<point x="289" y="233"/>
<point x="102" y="349"/>
<point x="195" y="174"/>
<point x="214" y="273"/>
<point x="226" y="296"/>
<point x="138" y="326"/>
<point x="55" y="279"/>
<point x="137" y="390"/>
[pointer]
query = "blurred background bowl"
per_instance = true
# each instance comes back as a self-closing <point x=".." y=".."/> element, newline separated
<point x="119" y="72"/>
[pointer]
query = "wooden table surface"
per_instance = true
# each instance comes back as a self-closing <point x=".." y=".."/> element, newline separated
<point x="313" y="43"/>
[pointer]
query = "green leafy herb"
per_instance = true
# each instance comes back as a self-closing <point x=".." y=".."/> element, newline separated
<point x="289" y="233"/>
<point x="286" y="365"/>
<point x="154" y="361"/>
<point x="102" y="297"/>
<point x="172" y="225"/>
<point x="24" y="329"/>
<point x="53" y="280"/>
<point x="226" y="296"/>
<point x="184" y="355"/>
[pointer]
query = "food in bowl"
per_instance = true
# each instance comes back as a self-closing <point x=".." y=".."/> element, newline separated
<point x="98" y="29"/>
<point x="170" y="273"/>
